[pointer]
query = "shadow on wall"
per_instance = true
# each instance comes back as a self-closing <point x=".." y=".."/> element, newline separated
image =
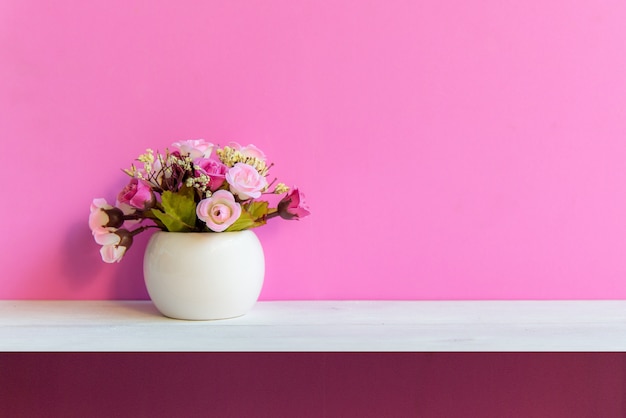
<point x="80" y="266"/>
<point x="83" y="267"/>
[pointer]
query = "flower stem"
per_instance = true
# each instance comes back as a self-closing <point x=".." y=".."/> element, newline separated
<point x="271" y="214"/>
<point x="140" y="230"/>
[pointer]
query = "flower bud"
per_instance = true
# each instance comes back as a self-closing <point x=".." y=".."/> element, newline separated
<point x="116" y="217"/>
<point x="126" y="238"/>
<point x="293" y="206"/>
<point x="137" y="194"/>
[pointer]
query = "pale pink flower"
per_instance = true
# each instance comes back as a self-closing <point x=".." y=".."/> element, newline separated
<point x="214" y="169"/>
<point x="196" y="148"/>
<point x="245" y="181"/>
<point x="293" y="205"/>
<point x="99" y="203"/>
<point x="107" y="237"/>
<point x="103" y="217"/>
<point x="112" y="253"/>
<point x="219" y="211"/>
<point x="248" y="151"/>
<point x="137" y="194"/>
<point x="98" y="218"/>
<point x="114" y="244"/>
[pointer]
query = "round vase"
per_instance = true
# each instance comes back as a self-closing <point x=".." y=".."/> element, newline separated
<point x="204" y="276"/>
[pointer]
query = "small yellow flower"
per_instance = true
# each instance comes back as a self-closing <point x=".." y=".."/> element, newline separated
<point x="132" y="171"/>
<point x="229" y="157"/>
<point x="147" y="157"/>
<point x="281" y="188"/>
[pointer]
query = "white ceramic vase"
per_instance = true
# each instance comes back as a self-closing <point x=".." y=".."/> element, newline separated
<point x="204" y="276"/>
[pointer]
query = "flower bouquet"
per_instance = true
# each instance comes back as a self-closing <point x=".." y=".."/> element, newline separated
<point x="195" y="186"/>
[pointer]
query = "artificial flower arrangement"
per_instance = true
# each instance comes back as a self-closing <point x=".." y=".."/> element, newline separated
<point x="192" y="189"/>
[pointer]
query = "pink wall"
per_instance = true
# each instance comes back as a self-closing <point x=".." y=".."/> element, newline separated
<point x="440" y="385"/>
<point x="448" y="149"/>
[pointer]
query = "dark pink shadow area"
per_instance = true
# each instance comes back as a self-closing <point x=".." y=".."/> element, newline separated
<point x="81" y="265"/>
<point x="80" y="259"/>
<point x="128" y="282"/>
<point x="576" y="385"/>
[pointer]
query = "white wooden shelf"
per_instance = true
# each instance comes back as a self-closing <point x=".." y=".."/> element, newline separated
<point x="426" y="326"/>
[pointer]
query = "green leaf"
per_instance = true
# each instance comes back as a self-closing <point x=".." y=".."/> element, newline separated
<point x="257" y="210"/>
<point x="245" y="221"/>
<point x="179" y="210"/>
<point x="252" y="215"/>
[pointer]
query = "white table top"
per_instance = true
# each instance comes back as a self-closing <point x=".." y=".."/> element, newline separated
<point x="416" y="326"/>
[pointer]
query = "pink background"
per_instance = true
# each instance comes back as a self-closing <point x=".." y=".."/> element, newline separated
<point x="448" y="149"/>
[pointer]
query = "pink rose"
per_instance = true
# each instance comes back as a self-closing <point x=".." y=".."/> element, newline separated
<point x="196" y="148"/>
<point x="293" y="206"/>
<point x="137" y="194"/>
<point x="248" y="151"/>
<point x="219" y="211"/>
<point x="214" y="169"/>
<point x="103" y="217"/>
<point x="245" y="181"/>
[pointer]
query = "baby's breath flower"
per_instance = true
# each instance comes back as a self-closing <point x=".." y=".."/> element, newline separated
<point x="226" y="156"/>
<point x="200" y="182"/>
<point x="132" y="171"/>
<point x="229" y="157"/>
<point x="147" y="157"/>
<point x="185" y="162"/>
<point x="281" y="188"/>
